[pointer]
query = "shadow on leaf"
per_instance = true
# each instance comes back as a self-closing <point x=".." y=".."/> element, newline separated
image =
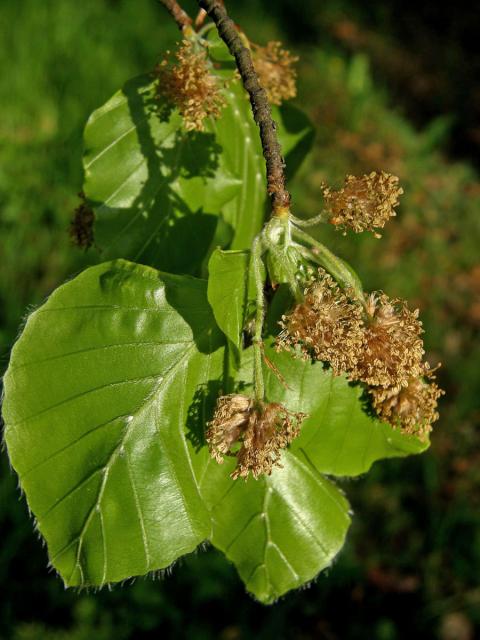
<point x="158" y="215"/>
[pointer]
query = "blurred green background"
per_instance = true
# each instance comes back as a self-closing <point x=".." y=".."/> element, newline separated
<point x="390" y="86"/>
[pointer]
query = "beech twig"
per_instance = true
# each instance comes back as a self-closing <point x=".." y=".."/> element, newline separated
<point x="260" y="106"/>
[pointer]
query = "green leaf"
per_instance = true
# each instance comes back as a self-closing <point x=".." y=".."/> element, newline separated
<point x="340" y="436"/>
<point x="101" y="386"/>
<point x="167" y="197"/>
<point x="228" y="291"/>
<point x="280" y="531"/>
<point x="156" y="189"/>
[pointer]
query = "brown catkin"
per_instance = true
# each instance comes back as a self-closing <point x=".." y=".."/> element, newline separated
<point x="276" y="72"/>
<point x="190" y="85"/>
<point x="364" y="203"/>
<point x="326" y="326"/>
<point x="392" y="347"/>
<point x="81" y="226"/>
<point x="412" y="408"/>
<point x="256" y="433"/>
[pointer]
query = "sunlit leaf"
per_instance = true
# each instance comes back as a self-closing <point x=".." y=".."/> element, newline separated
<point x="104" y="383"/>
<point x="230" y="291"/>
<point x="280" y="531"/>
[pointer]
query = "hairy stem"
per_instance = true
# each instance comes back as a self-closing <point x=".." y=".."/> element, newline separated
<point x="262" y="114"/>
<point x="182" y="19"/>
<point x="340" y="270"/>
<point x="258" y="384"/>
<point x="310" y="222"/>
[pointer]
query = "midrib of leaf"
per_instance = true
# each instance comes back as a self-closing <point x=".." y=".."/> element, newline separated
<point x="263" y="514"/>
<point x="143" y="531"/>
<point x="110" y="146"/>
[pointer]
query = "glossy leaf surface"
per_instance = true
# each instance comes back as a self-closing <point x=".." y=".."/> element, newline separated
<point x="228" y="276"/>
<point x="102" y="385"/>
<point x="280" y="531"/>
<point x="156" y="189"/>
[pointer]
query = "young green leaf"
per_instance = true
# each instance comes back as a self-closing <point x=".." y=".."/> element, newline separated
<point x="280" y="531"/>
<point x="340" y="436"/>
<point x="103" y="382"/>
<point x="228" y="291"/>
<point x="156" y="189"/>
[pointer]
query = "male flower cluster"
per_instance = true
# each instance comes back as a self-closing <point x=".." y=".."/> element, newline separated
<point x="364" y="203"/>
<point x="327" y="325"/>
<point x="190" y="85"/>
<point x="378" y="344"/>
<point x="277" y="75"/>
<point x="256" y="433"/>
<point x="392" y="348"/>
<point x="413" y="407"/>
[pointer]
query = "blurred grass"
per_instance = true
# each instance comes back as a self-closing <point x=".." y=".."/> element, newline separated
<point x="61" y="60"/>
<point x="412" y="560"/>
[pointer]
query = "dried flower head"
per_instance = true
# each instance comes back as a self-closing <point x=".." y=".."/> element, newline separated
<point x="81" y="226"/>
<point x="190" y="85"/>
<point x="327" y="325"/>
<point x="392" y="348"/>
<point x="254" y="433"/>
<point x="412" y="408"/>
<point x="364" y="203"/>
<point x="276" y="72"/>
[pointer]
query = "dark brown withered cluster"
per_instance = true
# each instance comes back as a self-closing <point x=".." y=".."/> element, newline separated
<point x="364" y="203"/>
<point x="378" y="343"/>
<point x="81" y="226"/>
<point x="189" y="84"/>
<point x="256" y="433"/>
<point x="276" y="72"/>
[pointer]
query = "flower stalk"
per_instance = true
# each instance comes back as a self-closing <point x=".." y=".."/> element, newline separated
<point x="317" y="252"/>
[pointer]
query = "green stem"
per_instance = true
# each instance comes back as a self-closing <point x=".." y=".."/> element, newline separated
<point x="258" y="383"/>
<point x="310" y="222"/>
<point x="340" y="270"/>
